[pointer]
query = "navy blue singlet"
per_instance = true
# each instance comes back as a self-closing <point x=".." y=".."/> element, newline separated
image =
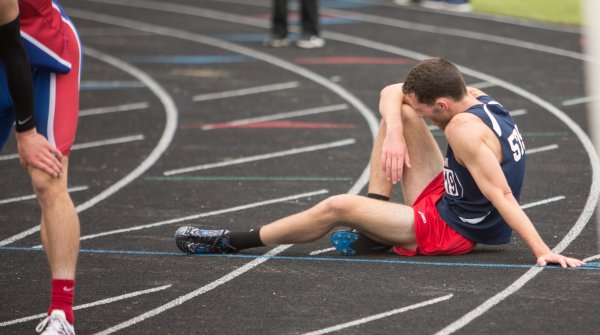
<point x="463" y="206"/>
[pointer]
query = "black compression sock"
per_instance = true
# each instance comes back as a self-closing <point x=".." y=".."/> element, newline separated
<point x="378" y="196"/>
<point x="246" y="239"/>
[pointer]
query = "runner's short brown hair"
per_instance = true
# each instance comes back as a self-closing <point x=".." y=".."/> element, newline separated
<point x="435" y="78"/>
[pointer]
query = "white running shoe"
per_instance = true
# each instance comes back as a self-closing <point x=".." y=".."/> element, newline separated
<point x="432" y="4"/>
<point x="275" y="42"/>
<point x="458" y="7"/>
<point x="311" y="42"/>
<point x="55" y="324"/>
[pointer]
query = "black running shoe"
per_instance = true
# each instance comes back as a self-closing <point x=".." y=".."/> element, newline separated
<point x="203" y="241"/>
<point x="351" y="243"/>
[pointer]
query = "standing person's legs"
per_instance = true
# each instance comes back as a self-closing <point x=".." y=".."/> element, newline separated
<point x="56" y="113"/>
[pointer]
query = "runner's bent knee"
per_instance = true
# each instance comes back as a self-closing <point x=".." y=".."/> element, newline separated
<point x="338" y="206"/>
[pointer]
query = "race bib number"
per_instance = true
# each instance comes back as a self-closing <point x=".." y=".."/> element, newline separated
<point x="516" y="144"/>
<point x="452" y="184"/>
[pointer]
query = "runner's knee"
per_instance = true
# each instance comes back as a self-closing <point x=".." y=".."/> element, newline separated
<point x="409" y="115"/>
<point x="46" y="187"/>
<point x="338" y="206"/>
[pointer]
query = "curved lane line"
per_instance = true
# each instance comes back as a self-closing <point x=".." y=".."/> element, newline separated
<point x="364" y="320"/>
<point x="161" y="147"/>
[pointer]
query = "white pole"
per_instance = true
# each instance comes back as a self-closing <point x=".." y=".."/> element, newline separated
<point x="591" y="12"/>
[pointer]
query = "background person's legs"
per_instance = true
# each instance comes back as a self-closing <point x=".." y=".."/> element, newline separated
<point x="279" y="22"/>
<point x="310" y="17"/>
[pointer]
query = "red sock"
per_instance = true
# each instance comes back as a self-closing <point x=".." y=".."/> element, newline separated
<point x="63" y="293"/>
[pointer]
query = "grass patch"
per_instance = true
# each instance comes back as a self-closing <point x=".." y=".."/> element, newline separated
<point x="555" y="11"/>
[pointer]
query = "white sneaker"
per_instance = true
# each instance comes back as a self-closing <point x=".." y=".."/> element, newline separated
<point x="311" y="42"/>
<point x="55" y="324"/>
<point x="432" y="4"/>
<point x="458" y="7"/>
<point x="275" y="42"/>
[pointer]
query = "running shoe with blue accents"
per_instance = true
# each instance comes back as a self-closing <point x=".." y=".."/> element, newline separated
<point x="203" y="241"/>
<point x="351" y="243"/>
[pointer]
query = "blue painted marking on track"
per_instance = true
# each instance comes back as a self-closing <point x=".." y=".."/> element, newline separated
<point x="109" y="85"/>
<point x="588" y="266"/>
<point x="192" y="59"/>
<point x="331" y="21"/>
<point x="328" y="20"/>
<point x="343" y="4"/>
<point x="250" y="37"/>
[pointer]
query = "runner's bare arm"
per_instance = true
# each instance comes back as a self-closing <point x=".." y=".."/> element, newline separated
<point x="394" y="154"/>
<point x="468" y="140"/>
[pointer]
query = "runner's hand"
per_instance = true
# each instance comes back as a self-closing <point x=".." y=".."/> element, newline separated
<point x="559" y="259"/>
<point x="394" y="155"/>
<point x="35" y="150"/>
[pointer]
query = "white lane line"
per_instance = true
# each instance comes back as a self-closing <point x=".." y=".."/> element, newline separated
<point x="111" y="141"/>
<point x="262" y="157"/>
<point x="33" y="196"/>
<point x="581" y="100"/>
<point x="88" y="305"/>
<point x="95" y="144"/>
<point x="517" y="112"/>
<point x="592" y="258"/>
<point x="460" y="33"/>
<point x="541" y="149"/>
<point x="162" y="145"/>
<point x="482" y="85"/>
<point x="378" y="316"/>
<point x="113" y="84"/>
<point x="246" y="91"/>
<point x="368" y="115"/>
<point x="322" y="251"/>
<point x="542" y="202"/>
<point x="113" y="109"/>
<point x="230" y="276"/>
<point x="491" y="302"/>
<point x="207" y="214"/>
<point x="279" y="116"/>
<point x="524" y="206"/>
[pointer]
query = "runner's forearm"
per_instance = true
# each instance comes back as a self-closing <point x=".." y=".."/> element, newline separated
<point x="18" y="74"/>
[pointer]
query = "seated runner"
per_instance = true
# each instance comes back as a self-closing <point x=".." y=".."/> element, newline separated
<point x="452" y="203"/>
